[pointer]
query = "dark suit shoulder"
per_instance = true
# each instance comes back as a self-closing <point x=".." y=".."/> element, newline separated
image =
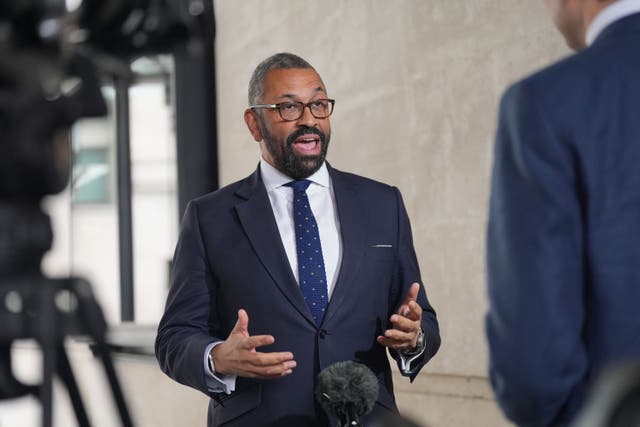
<point x="582" y="74"/>
<point x="369" y="191"/>
<point x="549" y="83"/>
<point x="384" y="197"/>
<point x="225" y="193"/>
<point x="225" y="196"/>
<point x="361" y="181"/>
<point x="579" y="95"/>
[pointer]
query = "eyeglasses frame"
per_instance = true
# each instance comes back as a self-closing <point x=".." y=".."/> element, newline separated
<point x="308" y="104"/>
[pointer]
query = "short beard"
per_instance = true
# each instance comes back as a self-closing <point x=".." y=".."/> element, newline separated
<point x="285" y="158"/>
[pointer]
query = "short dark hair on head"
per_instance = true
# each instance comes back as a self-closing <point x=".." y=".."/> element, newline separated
<point x="278" y="61"/>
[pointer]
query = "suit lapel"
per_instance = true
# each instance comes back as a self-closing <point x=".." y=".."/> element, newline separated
<point x="256" y="216"/>
<point x="353" y="231"/>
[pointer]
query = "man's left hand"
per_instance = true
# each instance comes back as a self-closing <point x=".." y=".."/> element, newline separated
<point x="406" y="324"/>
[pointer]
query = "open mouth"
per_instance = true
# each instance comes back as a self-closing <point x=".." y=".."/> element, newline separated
<point x="307" y="144"/>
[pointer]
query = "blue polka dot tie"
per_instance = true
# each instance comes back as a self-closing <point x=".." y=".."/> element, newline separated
<point x="311" y="273"/>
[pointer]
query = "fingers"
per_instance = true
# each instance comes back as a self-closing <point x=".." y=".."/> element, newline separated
<point x="412" y="294"/>
<point x="411" y="297"/>
<point x="237" y="355"/>
<point x="265" y="365"/>
<point x="256" y="341"/>
<point x="243" y="360"/>
<point x="402" y="336"/>
<point x="411" y="311"/>
<point x="396" y="342"/>
<point x="406" y="323"/>
<point x="270" y="371"/>
<point x="242" y="324"/>
<point x="270" y="360"/>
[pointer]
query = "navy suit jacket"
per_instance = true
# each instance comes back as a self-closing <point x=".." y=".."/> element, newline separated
<point x="230" y="256"/>
<point x="564" y="229"/>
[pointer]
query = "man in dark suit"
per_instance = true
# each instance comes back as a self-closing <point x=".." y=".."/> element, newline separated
<point x="296" y="267"/>
<point x="563" y="251"/>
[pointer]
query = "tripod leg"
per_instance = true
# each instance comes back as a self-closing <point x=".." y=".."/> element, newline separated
<point x="47" y="329"/>
<point x="66" y="374"/>
<point x="118" y="396"/>
<point x="46" y="388"/>
<point x="93" y="321"/>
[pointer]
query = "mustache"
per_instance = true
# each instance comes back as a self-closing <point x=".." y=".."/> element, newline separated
<point x="305" y="130"/>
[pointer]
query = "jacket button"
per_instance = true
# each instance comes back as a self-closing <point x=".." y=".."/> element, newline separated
<point x="322" y="333"/>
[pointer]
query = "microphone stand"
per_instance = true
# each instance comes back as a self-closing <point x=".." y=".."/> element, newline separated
<point x="349" y="418"/>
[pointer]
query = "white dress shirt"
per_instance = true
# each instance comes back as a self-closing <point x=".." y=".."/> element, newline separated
<point x="607" y="16"/>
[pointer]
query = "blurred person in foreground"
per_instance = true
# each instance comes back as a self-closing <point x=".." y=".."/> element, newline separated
<point x="563" y="238"/>
<point x="291" y="269"/>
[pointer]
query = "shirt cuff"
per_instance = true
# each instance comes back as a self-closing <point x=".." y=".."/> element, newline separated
<point x="407" y="360"/>
<point x="217" y="383"/>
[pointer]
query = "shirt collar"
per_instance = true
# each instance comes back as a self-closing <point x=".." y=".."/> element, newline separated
<point x="615" y="11"/>
<point x="273" y="178"/>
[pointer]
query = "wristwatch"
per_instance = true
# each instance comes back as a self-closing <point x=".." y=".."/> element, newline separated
<point x="419" y="346"/>
<point x="212" y="367"/>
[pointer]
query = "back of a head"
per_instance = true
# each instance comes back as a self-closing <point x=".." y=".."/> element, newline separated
<point x="279" y="61"/>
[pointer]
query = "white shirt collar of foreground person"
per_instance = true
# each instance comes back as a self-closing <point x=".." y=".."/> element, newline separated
<point x="615" y="11"/>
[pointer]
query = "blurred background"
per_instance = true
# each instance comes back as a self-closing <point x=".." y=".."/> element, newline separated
<point x="417" y="85"/>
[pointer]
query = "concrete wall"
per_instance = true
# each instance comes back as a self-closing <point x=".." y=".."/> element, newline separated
<point x="417" y="84"/>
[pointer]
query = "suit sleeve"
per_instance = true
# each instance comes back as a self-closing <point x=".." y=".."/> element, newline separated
<point x="535" y="265"/>
<point x="184" y="330"/>
<point x="408" y="272"/>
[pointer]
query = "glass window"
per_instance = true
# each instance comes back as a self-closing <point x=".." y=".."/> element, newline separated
<point x="91" y="172"/>
<point x="85" y="217"/>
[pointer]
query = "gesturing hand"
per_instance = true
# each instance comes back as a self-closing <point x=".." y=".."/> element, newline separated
<point x="238" y="355"/>
<point x="406" y="323"/>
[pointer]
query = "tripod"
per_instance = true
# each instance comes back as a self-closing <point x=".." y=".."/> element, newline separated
<point x="34" y="307"/>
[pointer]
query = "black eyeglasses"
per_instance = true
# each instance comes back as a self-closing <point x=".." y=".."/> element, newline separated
<point x="293" y="110"/>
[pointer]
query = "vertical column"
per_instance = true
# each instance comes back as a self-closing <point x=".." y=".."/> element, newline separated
<point x="125" y="221"/>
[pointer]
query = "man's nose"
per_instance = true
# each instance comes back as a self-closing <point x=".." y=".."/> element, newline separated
<point x="307" y="118"/>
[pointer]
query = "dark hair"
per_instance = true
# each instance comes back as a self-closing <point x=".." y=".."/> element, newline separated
<point x="278" y="61"/>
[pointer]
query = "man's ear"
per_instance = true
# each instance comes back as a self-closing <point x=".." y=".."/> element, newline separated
<point x="251" y="120"/>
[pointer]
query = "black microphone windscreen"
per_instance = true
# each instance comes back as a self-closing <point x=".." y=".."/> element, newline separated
<point x="346" y="386"/>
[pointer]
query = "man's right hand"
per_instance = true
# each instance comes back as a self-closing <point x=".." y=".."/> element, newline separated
<point x="238" y="355"/>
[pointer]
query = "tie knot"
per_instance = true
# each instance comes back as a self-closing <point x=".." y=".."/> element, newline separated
<point x="300" y="185"/>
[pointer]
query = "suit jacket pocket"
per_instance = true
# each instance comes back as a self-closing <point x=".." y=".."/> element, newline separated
<point x="237" y="404"/>
<point x="381" y="253"/>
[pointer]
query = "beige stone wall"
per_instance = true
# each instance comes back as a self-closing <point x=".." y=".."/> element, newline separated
<point x="417" y="84"/>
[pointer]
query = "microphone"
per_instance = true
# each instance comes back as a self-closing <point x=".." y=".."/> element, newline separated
<point x="347" y="390"/>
